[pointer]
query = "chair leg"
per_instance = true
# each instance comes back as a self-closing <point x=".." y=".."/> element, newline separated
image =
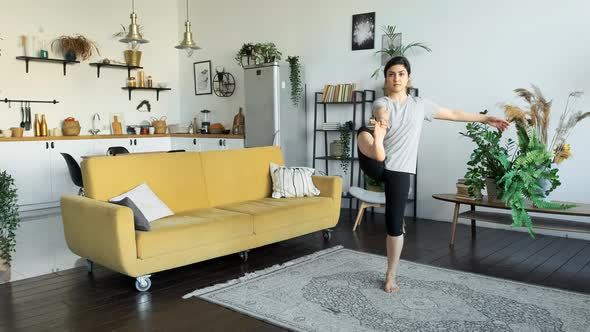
<point x="359" y="216"/>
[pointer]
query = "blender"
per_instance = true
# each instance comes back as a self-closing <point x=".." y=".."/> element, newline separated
<point x="205" y="121"/>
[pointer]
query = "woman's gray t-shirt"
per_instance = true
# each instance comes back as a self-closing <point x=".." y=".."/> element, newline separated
<point x="401" y="140"/>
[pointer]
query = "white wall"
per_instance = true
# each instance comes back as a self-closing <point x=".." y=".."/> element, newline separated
<point x="81" y="93"/>
<point x="481" y="51"/>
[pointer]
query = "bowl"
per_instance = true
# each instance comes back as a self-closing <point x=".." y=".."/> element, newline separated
<point x="216" y="130"/>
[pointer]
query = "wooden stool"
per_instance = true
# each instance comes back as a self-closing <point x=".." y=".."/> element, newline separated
<point x="368" y="199"/>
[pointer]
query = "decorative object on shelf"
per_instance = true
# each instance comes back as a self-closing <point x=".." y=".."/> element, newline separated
<point x="216" y="128"/>
<point x="43" y="132"/>
<point x="363" y="31"/>
<point x="159" y="125"/>
<point x="224" y="83"/>
<point x="239" y="124"/>
<point x="131" y="82"/>
<point x="345" y="136"/>
<point x="9" y="223"/>
<point x="392" y="46"/>
<point x="37" y="126"/>
<point x="146" y="103"/>
<point x="247" y="52"/>
<point x="484" y="167"/>
<point x="187" y="44"/>
<point x="150" y="82"/>
<point x="17" y="131"/>
<point x="140" y="79"/>
<point x="202" y="72"/>
<point x="295" y="78"/>
<point x="71" y="127"/>
<point x="75" y="46"/>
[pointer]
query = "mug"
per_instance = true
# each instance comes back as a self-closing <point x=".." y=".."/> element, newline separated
<point x="152" y="130"/>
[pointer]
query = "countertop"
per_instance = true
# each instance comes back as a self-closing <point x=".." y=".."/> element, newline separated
<point x="60" y="138"/>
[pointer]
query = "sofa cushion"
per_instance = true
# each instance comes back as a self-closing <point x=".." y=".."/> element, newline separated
<point x="140" y="221"/>
<point x="292" y="181"/>
<point x="239" y="175"/>
<point x="192" y="229"/>
<point x="270" y="214"/>
<point x="177" y="178"/>
<point x="146" y="201"/>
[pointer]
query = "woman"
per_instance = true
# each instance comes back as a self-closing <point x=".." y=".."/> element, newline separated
<point x="394" y="142"/>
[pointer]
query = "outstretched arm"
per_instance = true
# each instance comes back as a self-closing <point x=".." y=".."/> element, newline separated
<point x="462" y="116"/>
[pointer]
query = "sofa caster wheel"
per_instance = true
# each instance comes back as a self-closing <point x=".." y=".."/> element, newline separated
<point x="327" y="234"/>
<point x="143" y="283"/>
<point x="89" y="265"/>
<point x="244" y="256"/>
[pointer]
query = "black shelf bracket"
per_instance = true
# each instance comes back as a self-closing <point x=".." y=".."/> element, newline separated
<point x="130" y="88"/>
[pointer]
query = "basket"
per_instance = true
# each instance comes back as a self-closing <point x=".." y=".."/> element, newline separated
<point x="17" y="131"/>
<point x="71" y="128"/>
<point x="159" y="126"/>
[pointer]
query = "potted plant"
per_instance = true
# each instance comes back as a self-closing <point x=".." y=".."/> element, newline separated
<point x="344" y="142"/>
<point x="76" y="46"/>
<point x="247" y="51"/>
<point x="295" y="78"/>
<point x="484" y="167"/>
<point x="9" y="222"/>
<point x="394" y="46"/>
<point x="132" y="55"/>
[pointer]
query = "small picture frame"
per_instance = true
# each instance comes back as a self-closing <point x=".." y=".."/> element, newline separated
<point x="203" y="78"/>
<point x="363" y="31"/>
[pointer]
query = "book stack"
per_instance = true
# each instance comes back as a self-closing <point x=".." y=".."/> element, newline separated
<point x="339" y="93"/>
<point x="462" y="189"/>
<point x="331" y="126"/>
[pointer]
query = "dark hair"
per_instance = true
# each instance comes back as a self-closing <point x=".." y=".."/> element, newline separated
<point x="397" y="60"/>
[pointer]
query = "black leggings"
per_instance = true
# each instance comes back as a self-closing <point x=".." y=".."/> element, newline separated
<point x="397" y="185"/>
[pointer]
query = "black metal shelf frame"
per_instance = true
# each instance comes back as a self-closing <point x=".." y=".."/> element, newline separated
<point x="130" y="88"/>
<point x="113" y="65"/>
<point x="26" y="59"/>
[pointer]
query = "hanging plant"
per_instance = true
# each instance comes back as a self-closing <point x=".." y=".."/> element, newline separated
<point x="295" y="78"/>
<point x="345" y="135"/>
<point x="9" y="218"/>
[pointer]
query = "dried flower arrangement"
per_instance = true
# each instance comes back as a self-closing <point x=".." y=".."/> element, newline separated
<point x="76" y="45"/>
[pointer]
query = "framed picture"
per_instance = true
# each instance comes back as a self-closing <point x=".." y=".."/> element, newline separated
<point x="363" y="31"/>
<point x="202" y="77"/>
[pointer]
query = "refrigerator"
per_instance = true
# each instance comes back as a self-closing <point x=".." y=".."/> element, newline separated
<point x="270" y="116"/>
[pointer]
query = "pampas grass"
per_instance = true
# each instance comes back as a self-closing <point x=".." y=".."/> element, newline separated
<point x="77" y="44"/>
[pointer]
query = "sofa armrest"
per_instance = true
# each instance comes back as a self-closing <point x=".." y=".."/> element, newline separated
<point x="330" y="186"/>
<point x="100" y="231"/>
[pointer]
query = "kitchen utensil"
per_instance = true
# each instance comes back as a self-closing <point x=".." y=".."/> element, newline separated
<point x="28" y="116"/>
<point x="22" y="112"/>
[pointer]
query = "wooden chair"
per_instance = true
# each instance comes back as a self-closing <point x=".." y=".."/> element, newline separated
<point x="368" y="199"/>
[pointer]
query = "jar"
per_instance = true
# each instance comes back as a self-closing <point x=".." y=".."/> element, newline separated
<point x="131" y="82"/>
<point x="149" y="82"/>
<point x="140" y="81"/>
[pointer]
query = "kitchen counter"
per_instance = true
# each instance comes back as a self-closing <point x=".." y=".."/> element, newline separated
<point x="64" y="138"/>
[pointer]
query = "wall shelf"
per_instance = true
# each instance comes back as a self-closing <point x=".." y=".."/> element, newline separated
<point x="38" y="59"/>
<point x="130" y="88"/>
<point x="112" y="65"/>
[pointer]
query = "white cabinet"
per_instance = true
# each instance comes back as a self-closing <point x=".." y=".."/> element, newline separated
<point x="152" y="144"/>
<point x="232" y="143"/>
<point x="211" y="144"/>
<point x="186" y="143"/>
<point x="29" y="164"/>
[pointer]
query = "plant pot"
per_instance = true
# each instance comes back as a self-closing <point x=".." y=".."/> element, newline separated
<point x="336" y="149"/>
<point x="4" y="272"/>
<point x="70" y="56"/>
<point x="132" y="58"/>
<point x="492" y="189"/>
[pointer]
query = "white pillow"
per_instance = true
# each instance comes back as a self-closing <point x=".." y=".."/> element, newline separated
<point x="292" y="181"/>
<point x="147" y="202"/>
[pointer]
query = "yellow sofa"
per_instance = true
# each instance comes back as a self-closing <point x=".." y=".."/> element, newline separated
<point x="221" y="203"/>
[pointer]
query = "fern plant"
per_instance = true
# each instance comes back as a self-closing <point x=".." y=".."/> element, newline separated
<point x="530" y="165"/>
<point x="9" y="218"/>
<point x="295" y="78"/>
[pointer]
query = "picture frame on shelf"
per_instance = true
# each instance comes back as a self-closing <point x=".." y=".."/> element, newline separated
<point x="203" y="77"/>
<point x="363" y="31"/>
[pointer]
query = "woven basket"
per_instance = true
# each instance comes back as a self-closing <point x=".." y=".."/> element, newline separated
<point x="159" y="126"/>
<point x="71" y="128"/>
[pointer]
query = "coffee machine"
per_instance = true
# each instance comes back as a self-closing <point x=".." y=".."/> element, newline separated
<point x="205" y="121"/>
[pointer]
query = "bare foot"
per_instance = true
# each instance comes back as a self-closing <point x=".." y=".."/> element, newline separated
<point x="390" y="285"/>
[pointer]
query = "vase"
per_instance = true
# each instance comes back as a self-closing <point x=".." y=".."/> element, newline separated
<point x="70" y="56"/>
<point x="336" y="149"/>
<point x="492" y="189"/>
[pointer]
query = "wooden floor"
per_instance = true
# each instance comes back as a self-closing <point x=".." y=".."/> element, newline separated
<point x="73" y="300"/>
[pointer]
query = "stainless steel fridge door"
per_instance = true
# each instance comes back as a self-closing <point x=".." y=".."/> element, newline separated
<point x="262" y="105"/>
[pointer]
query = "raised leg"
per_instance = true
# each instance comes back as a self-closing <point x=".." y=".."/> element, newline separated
<point x="454" y="227"/>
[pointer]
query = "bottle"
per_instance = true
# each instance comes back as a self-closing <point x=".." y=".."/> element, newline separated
<point x="37" y="125"/>
<point x="43" y="130"/>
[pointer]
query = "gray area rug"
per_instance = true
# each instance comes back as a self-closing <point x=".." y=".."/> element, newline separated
<point x="341" y="290"/>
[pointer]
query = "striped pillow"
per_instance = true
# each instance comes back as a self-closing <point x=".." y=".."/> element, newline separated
<point x="292" y="181"/>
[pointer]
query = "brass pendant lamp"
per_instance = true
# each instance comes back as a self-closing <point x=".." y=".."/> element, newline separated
<point x="187" y="43"/>
<point x="133" y="34"/>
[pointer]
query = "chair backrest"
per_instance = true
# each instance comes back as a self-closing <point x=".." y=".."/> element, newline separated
<point x="172" y="151"/>
<point x="74" y="169"/>
<point x="115" y="150"/>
